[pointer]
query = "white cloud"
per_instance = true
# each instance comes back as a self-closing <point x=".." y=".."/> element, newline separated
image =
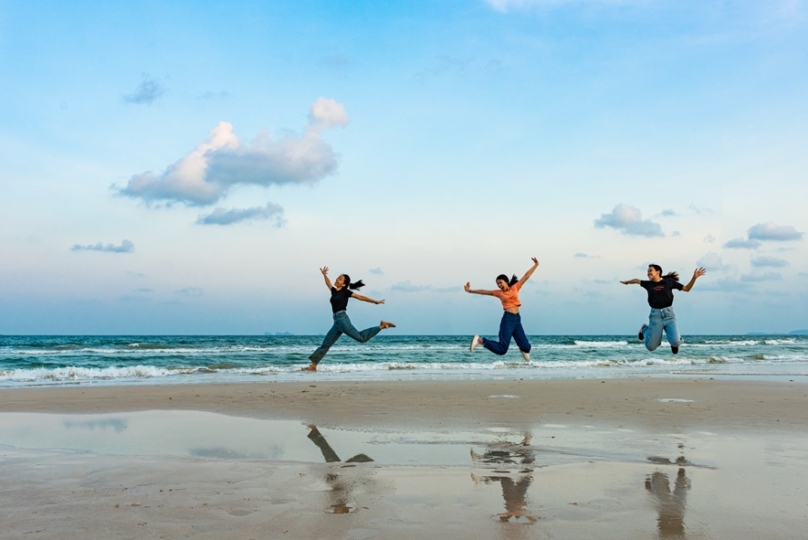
<point x="325" y="113"/>
<point x="726" y="285"/>
<point x="580" y="255"/>
<point x="628" y="220"/>
<point x="774" y="232"/>
<point x="769" y="261"/>
<point x="220" y="216"/>
<point x="377" y="271"/>
<point x="711" y="261"/>
<point x="740" y="243"/>
<point x="125" y="247"/>
<point x="208" y="172"/>
<point x="147" y="91"/>
<point x="407" y="287"/>
<point x="767" y="276"/>
<point x="709" y="239"/>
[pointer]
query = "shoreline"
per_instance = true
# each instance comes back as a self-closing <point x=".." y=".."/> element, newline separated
<point x="694" y="403"/>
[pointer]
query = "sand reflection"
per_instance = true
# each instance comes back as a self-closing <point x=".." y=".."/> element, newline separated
<point x="515" y="477"/>
<point x="670" y="504"/>
<point x="343" y="490"/>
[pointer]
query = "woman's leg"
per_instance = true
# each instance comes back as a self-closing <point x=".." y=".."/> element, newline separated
<point x="520" y="337"/>
<point x="348" y="329"/>
<point x="671" y="328"/>
<point x="330" y="338"/>
<point x="653" y="332"/>
<point x="506" y="326"/>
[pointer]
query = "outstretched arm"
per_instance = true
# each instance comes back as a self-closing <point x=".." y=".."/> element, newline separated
<point x="631" y="282"/>
<point x="696" y="275"/>
<point x="468" y="289"/>
<point x="529" y="272"/>
<point x="324" y="271"/>
<point x="366" y="299"/>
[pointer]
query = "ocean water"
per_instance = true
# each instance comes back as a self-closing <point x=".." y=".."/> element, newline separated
<point x="63" y="360"/>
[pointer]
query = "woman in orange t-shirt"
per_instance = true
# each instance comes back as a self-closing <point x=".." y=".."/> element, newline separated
<point x="511" y="324"/>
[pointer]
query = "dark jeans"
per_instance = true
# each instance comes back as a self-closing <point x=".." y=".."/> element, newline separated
<point x="509" y="326"/>
<point x="342" y="325"/>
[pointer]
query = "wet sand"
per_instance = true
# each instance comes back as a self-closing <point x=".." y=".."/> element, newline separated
<point x="654" y="458"/>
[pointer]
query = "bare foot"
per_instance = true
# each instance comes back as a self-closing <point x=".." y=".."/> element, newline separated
<point x="386" y="324"/>
<point x="312" y="367"/>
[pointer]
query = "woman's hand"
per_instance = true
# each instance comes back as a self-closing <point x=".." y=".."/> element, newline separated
<point x="535" y="261"/>
<point x="324" y="270"/>
<point x="377" y="302"/>
<point x="467" y="287"/>
<point x="699" y="272"/>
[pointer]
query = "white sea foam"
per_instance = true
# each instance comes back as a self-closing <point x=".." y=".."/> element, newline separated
<point x="784" y="341"/>
<point x="600" y="344"/>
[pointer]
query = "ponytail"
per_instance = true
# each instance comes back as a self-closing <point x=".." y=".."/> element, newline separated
<point x="670" y="275"/>
<point x="511" y="282"/>
<point x="352" y="286"/>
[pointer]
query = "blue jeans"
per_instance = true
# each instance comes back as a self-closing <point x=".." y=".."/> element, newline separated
<point x="342" y="325"/>
<point x="509" y="326"/>
<point x="659" y="320"/>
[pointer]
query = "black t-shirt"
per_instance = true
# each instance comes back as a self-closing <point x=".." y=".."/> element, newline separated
<point x="660" y="293"/>
<point x="339" y="298"/>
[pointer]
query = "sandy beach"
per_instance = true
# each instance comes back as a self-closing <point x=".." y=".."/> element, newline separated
<point x="653" y="458"/>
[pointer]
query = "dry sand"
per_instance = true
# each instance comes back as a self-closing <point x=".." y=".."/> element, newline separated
<point x="654" y="458"/>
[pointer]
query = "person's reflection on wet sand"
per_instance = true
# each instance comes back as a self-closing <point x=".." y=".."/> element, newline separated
<point x="342" y="492"/>
<point x="513" y="491"/>
<point x="670" y="505"/>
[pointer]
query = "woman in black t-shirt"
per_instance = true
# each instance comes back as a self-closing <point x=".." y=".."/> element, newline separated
<point x="660" y="297"/>
<point x="341" y="291"/>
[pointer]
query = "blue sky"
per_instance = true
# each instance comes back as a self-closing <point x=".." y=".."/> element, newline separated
<point x="186" y="168"/>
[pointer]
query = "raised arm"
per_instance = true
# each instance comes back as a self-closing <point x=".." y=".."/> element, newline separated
<point x="631" y="282"/>
<point x="468" y="289"/>
<point x="696" y="275"/>
<point x="324" y="271"/>
<point x="366" y="299"/>
<point x="529" y="272"/>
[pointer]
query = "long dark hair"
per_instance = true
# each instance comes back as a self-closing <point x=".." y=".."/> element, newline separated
<point x="672" y="275"/>
<point x="511" y="282"/>
<point x="352" y="286"/>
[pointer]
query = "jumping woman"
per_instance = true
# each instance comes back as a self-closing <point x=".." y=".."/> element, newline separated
<point x="660" y="298"/>
<point x="341" y="291"/>
<point x="511" y="324"/>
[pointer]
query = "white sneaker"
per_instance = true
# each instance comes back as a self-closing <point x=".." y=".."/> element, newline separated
<point x="526" y="356"/>
<point x="474" y="342"/>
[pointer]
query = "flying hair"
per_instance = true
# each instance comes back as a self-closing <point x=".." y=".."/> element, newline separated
<point x="670" y="275"/>
<point x="352" y="286"/>
<point x="511" y="282"/>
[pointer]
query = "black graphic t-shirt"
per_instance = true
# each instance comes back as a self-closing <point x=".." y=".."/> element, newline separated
<point x="660" y="293"/>
<point x="339" y="298"/>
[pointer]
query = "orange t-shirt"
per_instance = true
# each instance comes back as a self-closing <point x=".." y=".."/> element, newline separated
<point x="509" y="298"/>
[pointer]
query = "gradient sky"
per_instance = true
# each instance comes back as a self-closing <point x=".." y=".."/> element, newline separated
<point x="186" y="167"/>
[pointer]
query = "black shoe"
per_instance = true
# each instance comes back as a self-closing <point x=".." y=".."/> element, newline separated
<point x="674" y="349"/>
<point x="640" y="334"/>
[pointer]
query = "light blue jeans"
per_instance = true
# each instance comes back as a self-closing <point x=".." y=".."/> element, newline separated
<point x="342" y="325"/>
<point x="659" y="320"/>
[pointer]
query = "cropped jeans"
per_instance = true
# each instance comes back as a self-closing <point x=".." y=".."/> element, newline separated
<point x="342" y="325"/>
<point x="509" y="326"/>
<point x="659" y="320"/>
